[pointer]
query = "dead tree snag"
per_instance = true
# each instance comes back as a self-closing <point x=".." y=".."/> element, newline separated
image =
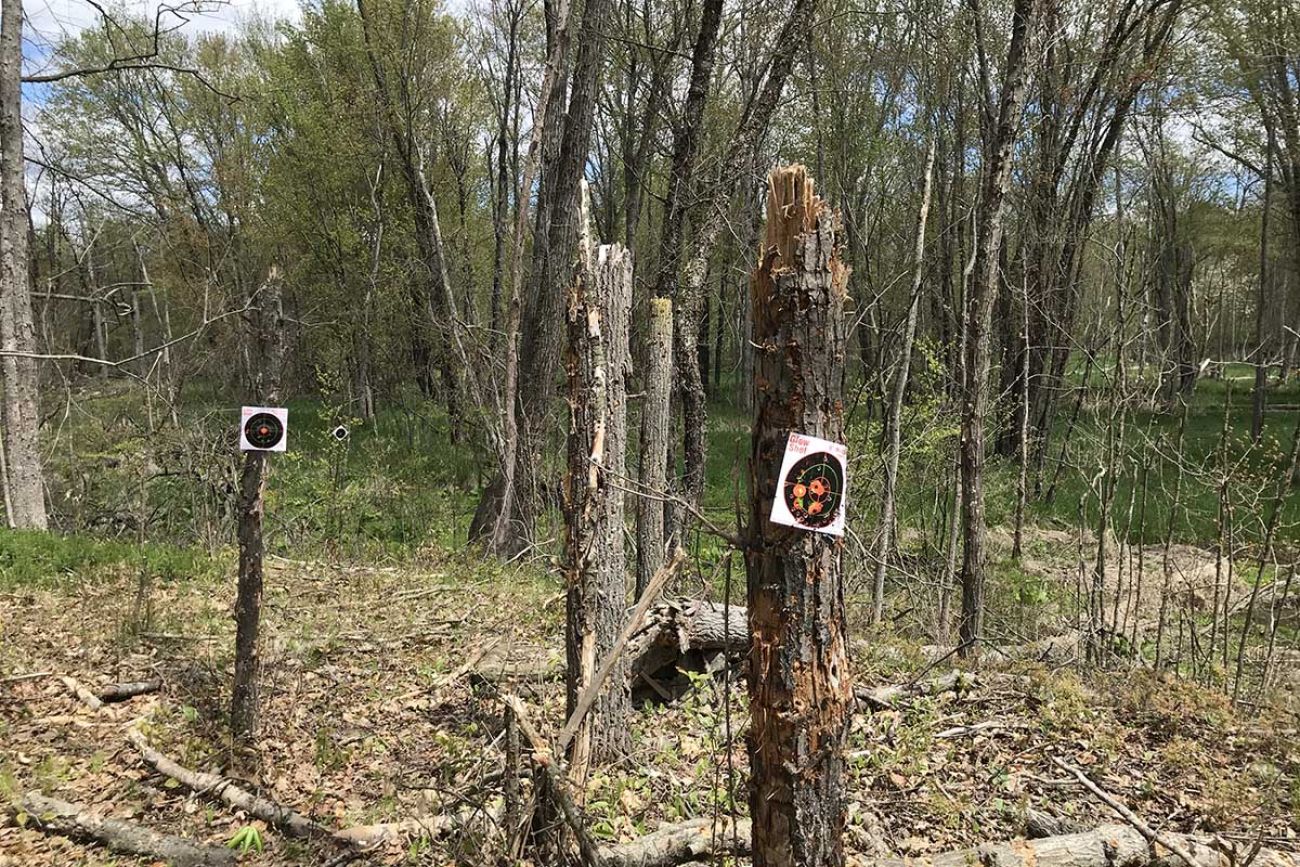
<point x="799" y="685"/>
<point x="599" y="303"/>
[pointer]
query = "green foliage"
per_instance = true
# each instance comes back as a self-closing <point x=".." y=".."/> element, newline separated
<point x="247" y="839"/>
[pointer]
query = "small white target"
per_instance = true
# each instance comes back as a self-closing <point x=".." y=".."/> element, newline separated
<point x="340" y="433"/>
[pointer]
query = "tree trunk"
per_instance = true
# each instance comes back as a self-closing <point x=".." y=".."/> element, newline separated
<point x="1260" y="396"/>
<point x="894" y="417"/>
<point x="267" y="339"/>
<point x="979" y="312"/>
<point x="565" y="142"/>
<point x="599" y="305"/>
<point x="799" y="682"/>
<point x="20" y="380"/>
<point x="656" y="418"/>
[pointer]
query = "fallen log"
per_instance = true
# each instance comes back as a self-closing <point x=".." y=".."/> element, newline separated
<point x="508" y="662"/>
<point x="888" y="697"/>
<point x="52" y="815"/>
<point x="1039" y="824"/>
<point x="1104" y="846"/>
<point x="291" y="822"/>
<point x="681" y="842"/>
<point x="684" y="635"/>
<point x="129" y="689"/>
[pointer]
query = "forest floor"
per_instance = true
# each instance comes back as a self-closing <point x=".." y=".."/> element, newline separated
<point x="369" y="716"/>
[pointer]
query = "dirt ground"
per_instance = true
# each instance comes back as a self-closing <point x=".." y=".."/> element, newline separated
<point x="369" y="716"/>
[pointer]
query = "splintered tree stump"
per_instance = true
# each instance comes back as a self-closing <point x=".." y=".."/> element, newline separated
<point x="800" y="687"/>
<point x="599" y="302"/>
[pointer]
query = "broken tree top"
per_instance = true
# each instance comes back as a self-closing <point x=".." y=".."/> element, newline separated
<point x="793" y="210"/>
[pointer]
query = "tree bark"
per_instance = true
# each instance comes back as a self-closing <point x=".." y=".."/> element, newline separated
<point x="656" y="417"/>
<point x="799" y="682"/>
<point x="979" y="312"/>
<point x="20" y="411"/>
<point x="599" y="304"/>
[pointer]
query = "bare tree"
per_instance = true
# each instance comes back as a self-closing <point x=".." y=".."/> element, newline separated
<point x="983" y="289"/>
<point x="265" y="334"/>
<point x="894" y="416"/>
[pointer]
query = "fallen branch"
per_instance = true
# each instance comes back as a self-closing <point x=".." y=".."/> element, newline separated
<point x="129" y="689"/>
<point x="1170" y="843"/>
<point x="545" y="760"/>
<point x="52" y="815"/>
<point x="681" y="842"/>
<point x="77" y="688"/>
<point x="31" y="675"/>
<point x="1105" y="846"/>
<point x="292" y="823"/>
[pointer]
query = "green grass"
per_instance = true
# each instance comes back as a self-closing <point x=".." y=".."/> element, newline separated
<point x="29" y="558"/>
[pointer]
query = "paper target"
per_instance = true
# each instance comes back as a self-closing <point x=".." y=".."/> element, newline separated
<point x="264" y="429"/>
<point x="340" y="433"/>
<point x="813" y="486"/>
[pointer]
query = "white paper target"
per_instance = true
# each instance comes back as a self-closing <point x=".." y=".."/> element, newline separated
<point x="812" y="490"/>
<point x="263" y="429"/>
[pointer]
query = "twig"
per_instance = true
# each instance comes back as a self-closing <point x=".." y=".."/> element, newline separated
<point x="31" y="675"/>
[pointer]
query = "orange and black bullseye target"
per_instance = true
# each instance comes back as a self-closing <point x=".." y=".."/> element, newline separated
<point x="263" y="430"/>
<point x="814" y="490"/>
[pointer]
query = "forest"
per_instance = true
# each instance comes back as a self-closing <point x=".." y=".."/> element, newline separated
<point x="631" y="433"/>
